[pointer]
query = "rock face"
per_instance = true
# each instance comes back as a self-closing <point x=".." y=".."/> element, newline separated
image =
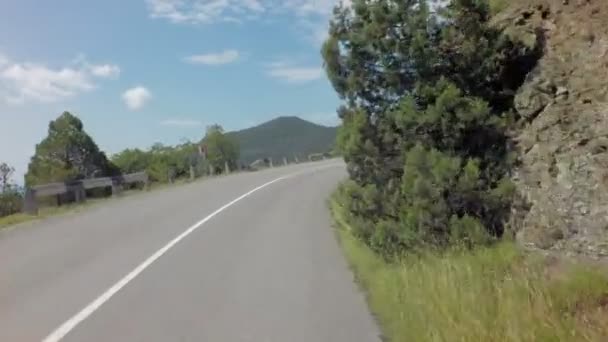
<point x="563" y="141"/>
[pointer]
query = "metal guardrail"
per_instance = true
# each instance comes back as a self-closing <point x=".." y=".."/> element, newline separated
<point x="78" y="188"/>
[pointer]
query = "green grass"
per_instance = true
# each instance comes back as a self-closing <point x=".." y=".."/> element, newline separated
<point x="496" y="6"/>
<point x="44" y="212"/>
<point x="491" y="294"/>
<point x="14" y="219"/>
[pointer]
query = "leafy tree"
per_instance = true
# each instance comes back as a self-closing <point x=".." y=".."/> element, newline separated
<point x="161" y="161"/>
<point x="11" y="199"/>
<point x="6" y="173"/>
<point x="427" y="99"/>
<point x="221" y="148"/>
<point x="174" y="161"/>
<point x="67" y="153"/>
<point x="131" y="160"/>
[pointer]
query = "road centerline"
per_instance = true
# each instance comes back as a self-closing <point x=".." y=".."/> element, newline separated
<point x="64" y="329"/>
<point x="83" y="314"/>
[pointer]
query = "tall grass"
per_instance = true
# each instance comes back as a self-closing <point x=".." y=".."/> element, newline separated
<point x="47" y="211"/>
<point x="496" y="6"/>
<point x="491" y="294"/>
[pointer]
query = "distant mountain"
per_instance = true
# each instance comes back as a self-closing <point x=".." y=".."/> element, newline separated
<point x="284" y="137"/>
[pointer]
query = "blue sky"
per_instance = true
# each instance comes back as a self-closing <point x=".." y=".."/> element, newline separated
<point x="144" y="71"/>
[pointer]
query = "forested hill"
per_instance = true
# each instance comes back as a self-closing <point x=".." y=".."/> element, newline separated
<point x="284" y="137"/>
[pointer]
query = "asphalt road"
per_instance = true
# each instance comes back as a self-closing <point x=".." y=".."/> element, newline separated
<point x="247" y="257"/>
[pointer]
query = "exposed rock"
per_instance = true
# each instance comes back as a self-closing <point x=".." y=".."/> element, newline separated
<point x="533" y="97"/>
<point x="563" y="143"/>
<point x="561" y="91"/>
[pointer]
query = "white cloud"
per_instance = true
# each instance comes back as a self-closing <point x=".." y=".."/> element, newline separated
<point x="202" y="11"/>
<point x="213" y="11"/>
<point x="181" y="123"/>
<point x="25" y="81"/>
<point x="105" y="70"/>
<point x="313" y="7"/>
<point x="293" y="73"/>
<point x="37" y="82"/>
<point x="135" y="98"/>
<point x="224" y="57"/>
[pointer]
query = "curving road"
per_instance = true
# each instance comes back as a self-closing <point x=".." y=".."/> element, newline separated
<point x="247" y="257"/>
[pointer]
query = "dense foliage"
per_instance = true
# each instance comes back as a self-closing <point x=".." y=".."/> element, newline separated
<point x="159" y="161"/>
<point x="426" y="116"/>
<point x="165" y="163"/>
<point x="284" y="137"/>
<point x="222" y="149"/>
<point x="11" y="197"/>
<point x="67" y="153"/>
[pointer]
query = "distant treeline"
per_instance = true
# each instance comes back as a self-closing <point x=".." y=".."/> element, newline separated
<point x="68" y="154"/>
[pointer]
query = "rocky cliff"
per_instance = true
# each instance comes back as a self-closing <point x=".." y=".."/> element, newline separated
<point x="563" y="138"/>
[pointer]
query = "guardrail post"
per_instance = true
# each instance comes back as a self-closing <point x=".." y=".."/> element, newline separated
<point x="30" y="206"/>
<point x="116" y="187"/>
<point x="79" y="193"/>
<point x="211" y="170"/>
<point x="271" y="162"/>
<point x="227" y="167"/>
<point x="171" y="176"/>
<point x="296" y="159"/>
<point x="192" y="173"/>
<point x="147" y="182"/>
<point x="285" y="161"/>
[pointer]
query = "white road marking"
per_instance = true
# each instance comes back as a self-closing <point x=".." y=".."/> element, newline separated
<point x="71" y="323"/>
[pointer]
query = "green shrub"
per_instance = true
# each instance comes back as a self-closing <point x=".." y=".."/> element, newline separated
<point x="425" y="129"/>
<point x="11" y="202"/>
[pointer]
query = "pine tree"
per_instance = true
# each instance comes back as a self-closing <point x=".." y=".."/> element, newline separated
<point x="425" y="119"/>
<point x="67" y="153"/>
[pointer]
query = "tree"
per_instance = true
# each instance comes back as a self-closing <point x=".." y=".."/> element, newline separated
<point x="221" y="148"/>
<point x="427" y="99"/>
<point x="67" y="153"/>
<point x="161" y="161"/>
<point x="131" y="160"/>
<point x="11" y="199"/>
<point x="6" y="173"/>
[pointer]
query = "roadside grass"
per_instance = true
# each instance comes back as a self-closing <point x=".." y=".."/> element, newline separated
<point x="47" y="211"/>
<point x="497" y="6"/>
<point x="497" y="294"/>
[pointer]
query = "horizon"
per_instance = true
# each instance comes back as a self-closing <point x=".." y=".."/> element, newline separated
<point x="21" y="181"/>
<point x="158" y="73"/>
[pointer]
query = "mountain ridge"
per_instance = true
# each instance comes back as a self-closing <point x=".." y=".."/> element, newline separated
<point x="284" y="137"/>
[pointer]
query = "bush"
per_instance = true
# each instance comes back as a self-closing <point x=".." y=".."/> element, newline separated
<point x="164" y="162"/>
<point x="11" y="202"/>
<point x="425" y="130"/>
